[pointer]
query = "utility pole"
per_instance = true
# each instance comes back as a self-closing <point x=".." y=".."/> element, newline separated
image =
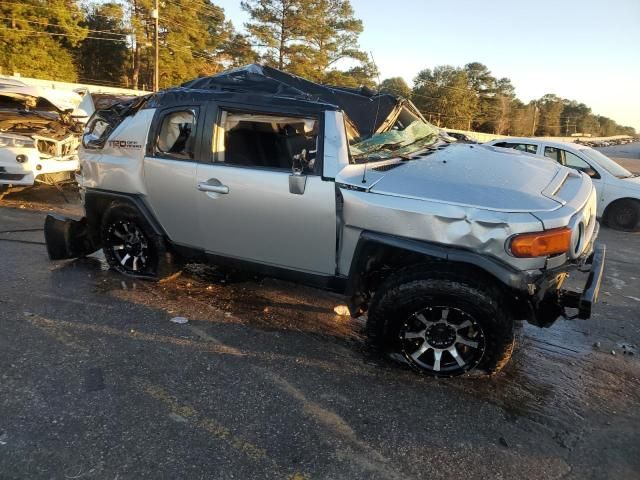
<point x="535" y="113"/>
<point x="156" y="76"/>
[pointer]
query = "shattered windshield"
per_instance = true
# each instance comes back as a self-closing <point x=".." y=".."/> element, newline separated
<point x="417" y="136"/>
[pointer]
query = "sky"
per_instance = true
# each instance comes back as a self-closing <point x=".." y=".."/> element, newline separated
<point x="587" y="50"/>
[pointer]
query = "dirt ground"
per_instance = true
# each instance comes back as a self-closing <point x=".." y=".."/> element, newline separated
<point x="265" y="381"/>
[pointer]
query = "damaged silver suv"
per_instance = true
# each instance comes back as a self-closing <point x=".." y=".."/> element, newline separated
<point x="446" y="246"/>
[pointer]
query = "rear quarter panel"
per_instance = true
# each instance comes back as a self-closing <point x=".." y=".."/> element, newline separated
<point x="119" y="165"/>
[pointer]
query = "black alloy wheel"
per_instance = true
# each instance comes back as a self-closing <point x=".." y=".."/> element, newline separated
<point x="442" y="341"/>
<point x="130" y="250"/>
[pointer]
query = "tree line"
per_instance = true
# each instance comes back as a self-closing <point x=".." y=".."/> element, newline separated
<point x="112" y="43"/>
<point x="471" y="98"/>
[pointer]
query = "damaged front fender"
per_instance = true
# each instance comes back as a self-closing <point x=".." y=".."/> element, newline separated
<point x="67" y="237"/>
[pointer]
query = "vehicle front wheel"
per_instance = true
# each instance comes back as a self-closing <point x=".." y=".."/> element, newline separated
<point x="132" y="247"/>
<point x="623" y="215"/>
<point x="441" y="325"/>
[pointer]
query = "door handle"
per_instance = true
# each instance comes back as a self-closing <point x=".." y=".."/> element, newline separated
<point x="213" y="185"/>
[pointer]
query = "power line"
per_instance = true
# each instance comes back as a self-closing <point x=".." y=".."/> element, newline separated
<point x="110" y="32"/>
<point x="45" y="7"/>
<point x="35" y="33"/>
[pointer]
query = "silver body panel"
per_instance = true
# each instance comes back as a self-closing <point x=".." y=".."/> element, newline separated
<point x="260" y="220"/>
<point x="173" y="197"/>
<point x="119" y="166"/>
<point x="471" y="197"/>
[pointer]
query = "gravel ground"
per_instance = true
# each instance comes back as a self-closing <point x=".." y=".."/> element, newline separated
<point x="265" y="381"/>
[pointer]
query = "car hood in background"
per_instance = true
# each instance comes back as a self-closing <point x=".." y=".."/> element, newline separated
<point x="475" y="176"/>
<point x="43" y="98"/>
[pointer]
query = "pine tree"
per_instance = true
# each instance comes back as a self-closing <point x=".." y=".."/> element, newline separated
<point x="396" y="86"/>
<point x="106" y="59"/>
<point x="316" y="39"/>
<point x="36" y="38"/>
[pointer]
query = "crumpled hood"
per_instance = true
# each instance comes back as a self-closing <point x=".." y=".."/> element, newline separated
<point x="475" y="176"/>
<point x="56" y="100"/>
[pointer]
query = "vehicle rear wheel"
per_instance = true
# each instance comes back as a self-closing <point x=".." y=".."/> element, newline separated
<point x="441" y="325"/>
<point x="624" y="215"/>
<point x="132" y="247"/>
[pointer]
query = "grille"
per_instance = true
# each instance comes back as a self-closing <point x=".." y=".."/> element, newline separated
<point x="49" y="147"/>
<point x="11" y="176"/>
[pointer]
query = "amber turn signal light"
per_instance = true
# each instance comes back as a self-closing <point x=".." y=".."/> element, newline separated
<point x="540" y="244"/>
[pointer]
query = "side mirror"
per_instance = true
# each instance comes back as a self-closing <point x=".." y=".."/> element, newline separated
<point x="591" y="172"/>
<point x="91" y="141"/>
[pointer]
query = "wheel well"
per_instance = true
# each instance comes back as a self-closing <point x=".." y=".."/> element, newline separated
<point x="97" y="203"/>
<point x="378" y="261"/>
<point x="616" y="202"/>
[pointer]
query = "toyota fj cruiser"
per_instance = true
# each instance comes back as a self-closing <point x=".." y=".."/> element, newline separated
<point x="445" y="245"/>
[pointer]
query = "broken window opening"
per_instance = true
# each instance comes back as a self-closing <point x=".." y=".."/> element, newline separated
<point x="267" y="141"/>
<point x="176" y="139"/>
<point x="396" y="143"/>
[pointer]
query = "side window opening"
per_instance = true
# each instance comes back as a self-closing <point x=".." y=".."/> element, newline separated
<point x="574" y="161"/>
<point x="553" y="153"/>
<point x="521" y="147"/>
<point x="176" y="138"/>
<point x="267" y="141"/>
<point x="525" y="147"/>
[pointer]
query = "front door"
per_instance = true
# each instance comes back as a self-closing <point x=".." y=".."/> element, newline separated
<point x="170" y="168"/>
<point x="247" y="208"/>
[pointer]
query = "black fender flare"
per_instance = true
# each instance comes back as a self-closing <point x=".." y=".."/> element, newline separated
<point x="506" y="274"/>
<point x="97" y="201"/>
<point x="68" y="237"/>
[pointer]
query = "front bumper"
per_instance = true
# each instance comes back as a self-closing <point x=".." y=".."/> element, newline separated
<point x="551" y="300"/>
<point x="584" y="301"/>
<point x="67" y="237"/>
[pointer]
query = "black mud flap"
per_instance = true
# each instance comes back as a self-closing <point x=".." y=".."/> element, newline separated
<point x="585" y="300"/>
<point x="66" y="237"/>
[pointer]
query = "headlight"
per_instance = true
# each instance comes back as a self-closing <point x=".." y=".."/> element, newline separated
<point x="7" y="140"/>
<point x="541" y="244"/>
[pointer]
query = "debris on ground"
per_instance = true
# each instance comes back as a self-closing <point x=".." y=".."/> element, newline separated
<point x="179" y="320"/>
<point x="170" y="278"/>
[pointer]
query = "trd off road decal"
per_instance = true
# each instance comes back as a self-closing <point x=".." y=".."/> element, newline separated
<point x="125" y="144"/>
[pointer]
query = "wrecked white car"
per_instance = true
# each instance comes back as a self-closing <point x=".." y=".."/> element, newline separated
<point x="40" y="133"/>
<point x="446" y="246"/>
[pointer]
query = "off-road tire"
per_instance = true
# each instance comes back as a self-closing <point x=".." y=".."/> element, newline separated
<point x="416" y="288"/>
<point x="160" y="262"/>
<point x="623" y="215"/>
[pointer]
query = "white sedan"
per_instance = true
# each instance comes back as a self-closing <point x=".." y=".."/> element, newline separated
<point x="618" y="189"/>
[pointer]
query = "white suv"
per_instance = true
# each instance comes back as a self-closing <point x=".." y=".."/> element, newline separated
<point x="618" y="189"/>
